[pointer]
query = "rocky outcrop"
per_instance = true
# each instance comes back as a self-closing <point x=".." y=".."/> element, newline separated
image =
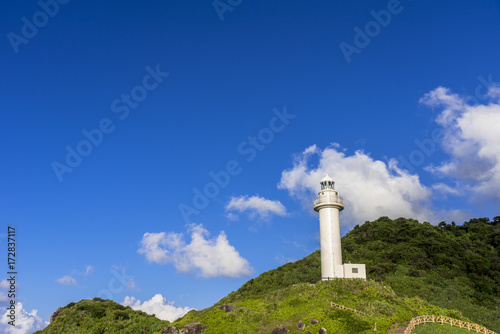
<point x="227" y="308"/>
<point x="169" y="330"/>
<point x="301" y="325"/>
<point x="55" y="314"/>
<point x="280" y="330"/>
<point x="194" y="328"/>
<point x="322" y="330"/>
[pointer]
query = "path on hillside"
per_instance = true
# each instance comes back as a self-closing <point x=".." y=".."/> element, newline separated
<point x="423" y="319"/>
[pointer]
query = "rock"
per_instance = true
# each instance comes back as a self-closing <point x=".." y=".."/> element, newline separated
<point x="280" y="330"/>
<point x="194" y="328"/>
<point x="55" y="314"/>
<point x="301" y="325"/>
<point x="322" y="330"/>
<point x="314" y="321"/>
<point x="227" y="308"/>
<point x="309" y="332"/>
<point x="169" y="330"/>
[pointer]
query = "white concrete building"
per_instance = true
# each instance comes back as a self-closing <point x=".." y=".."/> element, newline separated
<point x="329" y="204"/>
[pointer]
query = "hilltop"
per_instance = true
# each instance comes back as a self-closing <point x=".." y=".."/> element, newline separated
<point x="377" y="304"/>
<point x="449" y="265"/>
<point x="413" y="269"/>
<point x="101" y="316"/>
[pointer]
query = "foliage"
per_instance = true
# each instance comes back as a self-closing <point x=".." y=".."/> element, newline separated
<point x="306" y="270"/>
<point x="452" y="266"/>
<point x="261" y="313"/>
<point x="449" y="265"/>
<point x="100" y="316"/>
<point x="413" y="269"/>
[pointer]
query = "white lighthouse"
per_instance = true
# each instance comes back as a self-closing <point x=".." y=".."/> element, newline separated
<point x="329" y="204"/>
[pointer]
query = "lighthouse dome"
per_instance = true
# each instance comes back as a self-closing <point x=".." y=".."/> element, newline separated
<point x="327" y="178"/>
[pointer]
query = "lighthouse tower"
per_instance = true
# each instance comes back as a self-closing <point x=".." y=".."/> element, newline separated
<point x="329" y="204"/>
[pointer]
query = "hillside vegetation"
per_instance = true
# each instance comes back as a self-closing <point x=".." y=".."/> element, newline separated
<point x="413" y="269"/>
<point x="449" y="265"/>
<point x="98" y="316"/>
<point x="262" y="313"/>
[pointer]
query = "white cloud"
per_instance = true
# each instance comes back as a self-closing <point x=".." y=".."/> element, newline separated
<point x="131" y="285"/>
<point x="208" y="257"/>
<point x="256" y="206"/>
<point x="26" y="322"/>
<point x="4" y="285"/>
<point x="445" y="189"/>
<point x="89" y="269"/>
<point x="281" y="259"/>
<point x="370" y="188"/>
<point x="232" y="217"/>
<point x="66" y="280"/>
<point x="472" y="140"/>
<point x="494" y="92"/>
<point x="158" y="306"/>
<point x="4" y="300"/>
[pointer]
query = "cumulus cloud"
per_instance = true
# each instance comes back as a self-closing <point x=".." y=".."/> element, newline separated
<point x="26" y="322"/>
<point x="158" y="306"/>
<point x="4" y="285"/>
<point x="370" y="188"/>
<point x="256" y="206"/>
<point x="66" y="280"/>
<point x="472" y="140"/>
<point x="205" y="256"/>
<point x="494" y="92"/>
<point x="4" y="299"/>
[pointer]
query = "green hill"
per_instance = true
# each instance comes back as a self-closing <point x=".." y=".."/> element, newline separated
<point x="101" y="316"/>
<point x="262" y="313"/>
<point x="452" y="266"/>
<point x="413" y="269"/>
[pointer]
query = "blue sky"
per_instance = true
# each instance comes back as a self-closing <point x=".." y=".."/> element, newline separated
<point x="114" y="115"/>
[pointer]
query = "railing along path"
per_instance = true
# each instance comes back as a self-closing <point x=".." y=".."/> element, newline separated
<point x="423" y="319"/>
<point x="342" y="307"/>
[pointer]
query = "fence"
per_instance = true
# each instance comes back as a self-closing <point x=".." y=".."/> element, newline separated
<point x="445" y="320"/>
<point x="423" y="319"/>
<point x="342" y="307"/>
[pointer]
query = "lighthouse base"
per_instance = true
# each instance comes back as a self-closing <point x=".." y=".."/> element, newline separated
<point x="348" y="270"/>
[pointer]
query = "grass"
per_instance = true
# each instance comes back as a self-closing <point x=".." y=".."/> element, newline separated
<point x="265" y="312"/>
<point x="439" y="329"/>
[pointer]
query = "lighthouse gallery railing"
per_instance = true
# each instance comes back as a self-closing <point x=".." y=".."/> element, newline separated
<point x="333" y="199"/>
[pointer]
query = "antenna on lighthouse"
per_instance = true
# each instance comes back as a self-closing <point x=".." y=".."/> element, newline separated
<point x="329" y="204"/>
